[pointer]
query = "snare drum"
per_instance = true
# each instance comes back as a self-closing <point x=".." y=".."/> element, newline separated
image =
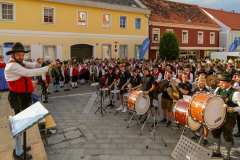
<point x="182" y="116"/>
<point x="139" y="103"/>
<point x="104" y="91"/>
<point x="208" y="109"/>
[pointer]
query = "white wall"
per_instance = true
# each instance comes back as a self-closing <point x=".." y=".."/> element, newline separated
<point x="36" y="51"/>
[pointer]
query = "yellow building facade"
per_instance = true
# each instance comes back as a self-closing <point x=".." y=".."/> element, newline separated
<point x="63" y="29"/>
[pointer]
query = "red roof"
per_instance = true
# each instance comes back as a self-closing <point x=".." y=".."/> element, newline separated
<point x="230" y="19"/>
<point x="178" y="13"/>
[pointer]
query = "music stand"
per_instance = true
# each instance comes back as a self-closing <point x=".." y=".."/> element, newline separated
<point x="25" y="120"/>
<point x="100" y="107"/>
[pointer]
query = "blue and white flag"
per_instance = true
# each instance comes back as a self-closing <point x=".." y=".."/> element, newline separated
<point x="144" y="48"/>
<point x="234" y="45"/>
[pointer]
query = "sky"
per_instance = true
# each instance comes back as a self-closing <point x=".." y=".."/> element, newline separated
<point x="228" y="5"/>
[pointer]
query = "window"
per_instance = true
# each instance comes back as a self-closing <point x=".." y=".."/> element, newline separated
<point x="123" y="22"/>
<point x="156" y="35"/>
<point x="185" y="36"/>
<point x="212" y="37"/>
<point x="82" y="18"/>
<point x="138" y="23"/>
<point x="48" y="15"/>
<point x="106" y="51"/>
<point x="123" y="51"/>
<point x="137" y="51"/>
<point x="106" y="20"/>
<point x="49" y="52"/>
<point x="169" y="30"/>
<point x="200" y="37"/>
<point x="27" y="56"/>
<point x="7" y="11"/>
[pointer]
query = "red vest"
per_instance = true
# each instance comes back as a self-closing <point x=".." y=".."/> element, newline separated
<point x="74" y="72"/>
<point x="22" y="85"/>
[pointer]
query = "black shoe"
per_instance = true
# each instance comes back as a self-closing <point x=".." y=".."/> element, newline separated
<point x="164" y="120"/>
<point x="205" y="142"/>
<point x="156" y="123"/>
<point x="110" y="105"/>
<point x="45" y="101"/>
<point x="227" y="158"/>
<point x="195" y="137"/>
<point x="237" y="134"/>
<point x="169" y="123"/>
<point x="217" y="155"/>
<point x="21" y="157"/>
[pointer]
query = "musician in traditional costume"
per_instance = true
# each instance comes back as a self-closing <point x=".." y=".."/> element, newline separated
<point x="236" y="86"/>
<point x="201" y="87"/>
<point x="124" y="79"/>
<point x="185" y="87"/>
<point x="167" y="99"/>
<point x="226" y="91"/>
<point x="135" y="80"/>
<point x="75" y="76"/>
<point x="111" y="80"/>
<point x="19" y="77"/>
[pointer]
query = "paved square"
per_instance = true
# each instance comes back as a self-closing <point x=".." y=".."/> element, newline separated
<point x="89" y="136"/>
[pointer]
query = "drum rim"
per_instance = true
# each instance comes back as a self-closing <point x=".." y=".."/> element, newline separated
<point x="188" y="116"/>
<point x="203" y="115"/>
<point x="224" y="119"/>
<point x="148" y="100"/>
<point x="190" y="108"/>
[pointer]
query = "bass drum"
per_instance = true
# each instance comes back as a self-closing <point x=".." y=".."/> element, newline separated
<point x="208" y="109"/>
<point x="181" y="114"/>
<point x="139" y="103"/>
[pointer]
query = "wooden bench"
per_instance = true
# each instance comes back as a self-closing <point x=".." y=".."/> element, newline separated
<point x="47" y="124"/>
<point x="6" y="140"/>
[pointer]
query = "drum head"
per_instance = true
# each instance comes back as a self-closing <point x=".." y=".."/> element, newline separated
<point x="215" y="113"/>
<point x="193" y="125"/>
<point x="115" y="91"/>
<point x="142" y="104"/>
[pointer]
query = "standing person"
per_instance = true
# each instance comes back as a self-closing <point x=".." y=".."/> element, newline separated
<point x="167" y="99"/>
<point x="185" y="87"/>
<point x="19" y="78"/>
<point x="60" y="68"/>
<point x="56" y="78"/>
<point x="66" y="70"/>
<point x="42" y="81"/>
<point x="123" y="82"/>
<point x="236" y="86"/>
<point x="75" y="76"/>
<point x="226" y="91"/>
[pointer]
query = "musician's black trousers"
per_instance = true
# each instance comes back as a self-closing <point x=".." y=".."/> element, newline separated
<point x="238" y="122"/>
<point x="226" y="129"/>
<point x="19" y="101"/>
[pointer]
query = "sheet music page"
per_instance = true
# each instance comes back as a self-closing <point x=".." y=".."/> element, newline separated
<point x="27" y="118"/>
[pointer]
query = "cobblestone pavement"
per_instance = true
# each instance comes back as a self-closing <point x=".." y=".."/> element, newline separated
<point x="83" y="135"/>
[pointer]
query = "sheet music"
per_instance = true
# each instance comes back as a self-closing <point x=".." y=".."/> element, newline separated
<point x="27" y="118"/>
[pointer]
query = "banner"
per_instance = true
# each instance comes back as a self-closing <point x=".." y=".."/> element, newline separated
<point x="234" y="45"/>
<point x="6" y="47"/>
<point x="144" y="48"/>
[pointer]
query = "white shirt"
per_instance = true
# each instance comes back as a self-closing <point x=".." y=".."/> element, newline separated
<point x="14" y="71"/>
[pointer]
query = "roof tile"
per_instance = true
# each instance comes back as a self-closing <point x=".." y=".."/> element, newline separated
<point x="230" y="19"/>
<point x="178" y="13"/>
